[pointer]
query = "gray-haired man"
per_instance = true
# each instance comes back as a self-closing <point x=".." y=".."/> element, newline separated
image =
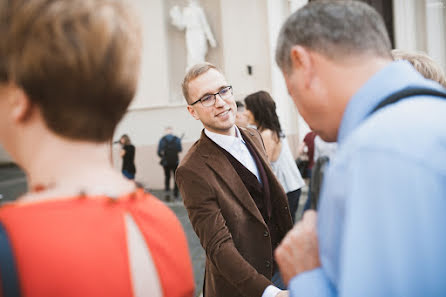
<point x="380" y="229"/>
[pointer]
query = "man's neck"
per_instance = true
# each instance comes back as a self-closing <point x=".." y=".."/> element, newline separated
<point x="229" y="132"/>
<point x="355" y="73"/>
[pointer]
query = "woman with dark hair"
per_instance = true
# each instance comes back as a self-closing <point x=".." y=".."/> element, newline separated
<point x="260" y="110"/>
<point x="128" y="157"/>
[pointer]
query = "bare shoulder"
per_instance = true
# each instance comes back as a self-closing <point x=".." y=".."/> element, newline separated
<point x="266" y="134"/>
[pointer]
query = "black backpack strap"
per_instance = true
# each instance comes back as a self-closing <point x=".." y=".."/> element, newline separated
<point x="172" y="144"/>
<point x="8" y="272"/>
<point x="406" y="93"/>
<point x="168" y="142"/>
<point x="173" y="140"/>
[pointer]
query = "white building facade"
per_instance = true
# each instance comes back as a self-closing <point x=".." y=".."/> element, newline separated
<point x="246" y="33"/>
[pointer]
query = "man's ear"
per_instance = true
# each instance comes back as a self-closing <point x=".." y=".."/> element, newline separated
<point x="20" y="104"/>
<point x="302" y="62"/>
<point x="193" y="113"/>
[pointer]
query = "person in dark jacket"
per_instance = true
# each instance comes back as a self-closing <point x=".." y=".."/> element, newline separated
<point x="128" y="157"/>
<point x="169" y="147"/>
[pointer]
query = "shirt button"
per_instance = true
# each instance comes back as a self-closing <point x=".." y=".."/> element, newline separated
<point x="268" y="264"/>
<point x="266" y="233"/>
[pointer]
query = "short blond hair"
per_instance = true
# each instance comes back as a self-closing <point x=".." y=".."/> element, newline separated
<point x="77" y="60"/>
<point x="423" y="64"/>
<point x="194" y="72"/>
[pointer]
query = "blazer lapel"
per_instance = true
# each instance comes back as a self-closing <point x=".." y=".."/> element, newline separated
<point x="218" y="162"/>
<point x="249" y="137"/>
<point x="273" y="182"/>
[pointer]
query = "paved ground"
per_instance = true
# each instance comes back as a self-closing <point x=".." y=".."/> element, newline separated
<point x="196" y="251"/>
<point x="13" y="184"/>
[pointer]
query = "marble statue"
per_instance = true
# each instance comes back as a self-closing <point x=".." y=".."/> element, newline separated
<point x="193" y="20"/>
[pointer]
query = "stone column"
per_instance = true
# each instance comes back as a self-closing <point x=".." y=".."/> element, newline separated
<point x="405" y="24"/>
<point x="298" y="121"/>
<point x="296" y="4"/>
<point x="278" y="11"/>
<point x="436" y="31"/>
<point x="153" y="87"/>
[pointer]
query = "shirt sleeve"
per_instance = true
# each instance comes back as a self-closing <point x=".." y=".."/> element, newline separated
<point x="313" y="283"/>
<point x="393" y="239"/>
<point x="271" y="291"/>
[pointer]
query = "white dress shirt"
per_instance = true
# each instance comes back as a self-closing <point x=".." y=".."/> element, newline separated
<point x="322" y="148"/>
<point x="236" y="146"/>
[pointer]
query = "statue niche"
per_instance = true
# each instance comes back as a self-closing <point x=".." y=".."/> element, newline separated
<point x="193" y="20"/>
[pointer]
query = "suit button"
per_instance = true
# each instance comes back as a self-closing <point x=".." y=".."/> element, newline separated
<point x="266" y="233"/>
<point x="268" y="264"/>
<point x="286" y="207"/>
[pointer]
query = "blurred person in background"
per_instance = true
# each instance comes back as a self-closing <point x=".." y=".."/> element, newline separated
<point x="261" y="112"/>
<point x="128" y="157"/>
<point x="82" y="229"/>
<point x="423" y="64"/>
<point x="306" y="163"/>
<point x="306" y="152"/>
<point x="323" y="148"/>
<point x="323" y="152"/>
<point x="240" y="117"/>
<point x="169" y="147"/>
<point x="379" y="230"/>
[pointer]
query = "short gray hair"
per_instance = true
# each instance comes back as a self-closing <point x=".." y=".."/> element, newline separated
<point x="335" y="29"/>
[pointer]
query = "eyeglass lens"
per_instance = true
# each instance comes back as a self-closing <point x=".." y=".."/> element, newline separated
<point x="209" y="100"/>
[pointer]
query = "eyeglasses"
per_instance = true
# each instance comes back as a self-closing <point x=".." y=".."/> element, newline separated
<point x="209" y="99"/>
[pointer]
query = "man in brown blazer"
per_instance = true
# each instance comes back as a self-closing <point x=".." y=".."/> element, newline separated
<point x="236" y="205"/>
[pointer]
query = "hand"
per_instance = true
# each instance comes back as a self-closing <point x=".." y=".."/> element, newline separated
<point x="283" y="294"/>
<point x="299" y="250"/>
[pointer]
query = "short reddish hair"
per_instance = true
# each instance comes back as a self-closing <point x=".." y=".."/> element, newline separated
<point x="77" y="60"/>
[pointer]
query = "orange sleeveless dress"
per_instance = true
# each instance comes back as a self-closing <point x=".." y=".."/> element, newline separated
<point x="78" y="246"/>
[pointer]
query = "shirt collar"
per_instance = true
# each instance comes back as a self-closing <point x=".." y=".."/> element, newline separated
<point x="395" y="76"/>
<point x="225" y="141"/>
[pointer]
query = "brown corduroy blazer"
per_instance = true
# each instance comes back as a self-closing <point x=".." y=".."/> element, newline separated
<point x="227" y="221"/>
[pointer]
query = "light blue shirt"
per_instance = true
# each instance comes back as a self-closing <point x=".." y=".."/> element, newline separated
<point x="382" y="215"/>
